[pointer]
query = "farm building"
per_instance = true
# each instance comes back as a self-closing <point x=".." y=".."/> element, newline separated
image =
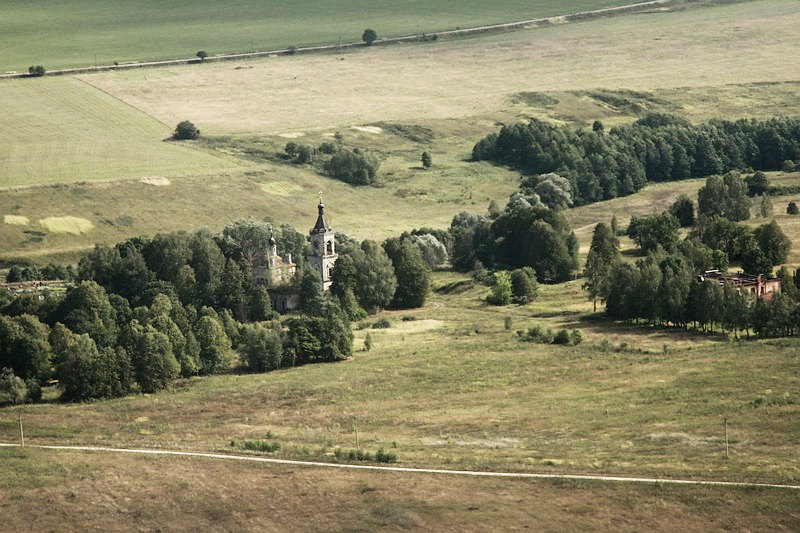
<point x="760" y="286"/>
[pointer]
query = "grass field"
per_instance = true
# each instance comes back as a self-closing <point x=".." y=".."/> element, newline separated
<point x="107" y="492"/>
<point x="79" y="32"/>
<point x="454" y="389"/>
<point x="63" y="130"/>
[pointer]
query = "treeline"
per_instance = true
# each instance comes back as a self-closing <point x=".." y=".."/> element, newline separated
<point x="49" y="272"/>
<point x="600" y="165"/>
<point x="663" y="289"/>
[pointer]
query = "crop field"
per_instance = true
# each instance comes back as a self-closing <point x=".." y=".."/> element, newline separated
<point x="78" y="33"/>
<point x="63" y="130"/>
<point x="453" y="388"/>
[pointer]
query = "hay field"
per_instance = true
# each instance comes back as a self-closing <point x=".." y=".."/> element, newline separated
<point x="706" y="46"/>
<point x="58" y="130"/>
<point x="81" y="32"/>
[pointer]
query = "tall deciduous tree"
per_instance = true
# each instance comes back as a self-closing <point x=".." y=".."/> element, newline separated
<point x="603" y="253"/>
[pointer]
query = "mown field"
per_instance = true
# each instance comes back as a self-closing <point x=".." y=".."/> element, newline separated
<point x="453" y="388"/>
<point x="79" y="32"/>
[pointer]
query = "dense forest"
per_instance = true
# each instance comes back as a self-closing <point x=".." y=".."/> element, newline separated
<point x="600" y="165"/>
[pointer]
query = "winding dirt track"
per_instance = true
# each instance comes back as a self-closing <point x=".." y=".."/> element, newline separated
<point x="518" y="475"/>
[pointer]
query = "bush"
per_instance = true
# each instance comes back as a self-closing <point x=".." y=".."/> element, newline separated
<point x="501" y="289"/>
<point x="328" y="147"/>
<point x="562" y="337"/>
<point x="185" y="131"/>
<point x="382" y="323"/>
<point x="202" y="54"/>
<point x="36" y="70"/>
<point x="524" y="286"/>
<point x="576" y="336"/>
<point x="788" y="166"/>
<point x="408" y="318"/>
<point x="507" y="322"/>
<point x="792" y="209"/>
<point x="261" y="446"/>
<point x="12" y="388"/>
<point x="369" y="36"/>
<point x="382" y="456"/>
<point x="260" y="348"/>
<point x="427" y="161"/>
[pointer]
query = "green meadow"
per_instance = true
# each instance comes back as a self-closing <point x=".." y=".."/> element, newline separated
<point x="77" y="33"/>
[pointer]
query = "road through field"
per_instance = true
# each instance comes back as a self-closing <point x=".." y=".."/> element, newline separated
<point x="476" y="473"/>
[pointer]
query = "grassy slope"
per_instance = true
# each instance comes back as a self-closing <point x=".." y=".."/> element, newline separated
<point x="63" y="130"/>
<point x="79" y="32"/>
<point x="454" y="389"/>
<point x="111" y="492"/>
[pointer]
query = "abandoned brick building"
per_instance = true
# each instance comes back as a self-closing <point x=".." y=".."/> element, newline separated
<point x="759" y="286"/>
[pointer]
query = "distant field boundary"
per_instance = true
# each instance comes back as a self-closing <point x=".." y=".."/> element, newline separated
<point x="415" y="38"/>
<point x="476" y="473"/>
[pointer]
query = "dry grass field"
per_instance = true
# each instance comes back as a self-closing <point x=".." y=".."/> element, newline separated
<point x="110" y="492"/>
<point x="711" y="46"/>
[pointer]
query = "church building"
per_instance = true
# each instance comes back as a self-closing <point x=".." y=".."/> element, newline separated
<point x="280" y="274"/>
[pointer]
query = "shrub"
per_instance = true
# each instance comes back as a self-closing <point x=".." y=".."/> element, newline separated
<point x="261" y="446"/>
<point x="524" y="286"/>
<point x="202" y="54"/>
<point x="368" y="342"/>
<point x="507" y="322"/>
<point x="562" y="337"/>
<point x="328" y="147"/>
<point x="792" y="208"/>
<point x="501" y="289"/>
<point x="382" y="456"/>
<point x="369" y="36"/>
<point x="427" y="161"/>
<point x="12" y="388"/>
<point x="185" y="131"/>
<point x="382" y="323"/>
<point x="788" y="166"/>
<point x="576" y="336"/>
<point x="408" y="318"/>
<point x="36" y="70"/>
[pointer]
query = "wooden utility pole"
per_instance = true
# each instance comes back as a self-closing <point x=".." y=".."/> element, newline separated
<point x="21" y="434"/>
<point x="726" y="438"/>
<point x="355" y="425"/>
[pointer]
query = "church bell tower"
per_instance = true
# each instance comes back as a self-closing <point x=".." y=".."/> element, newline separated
<point x="323" y="248"/>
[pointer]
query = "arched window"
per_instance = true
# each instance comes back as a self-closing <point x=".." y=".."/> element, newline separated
<point x="330" y="247"/>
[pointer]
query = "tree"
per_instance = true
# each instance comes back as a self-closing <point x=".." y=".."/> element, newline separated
<point x="724" y="196"/>
<point x="412" y="273"/>
<point x="311" y="291"/>
<point x="186" y="131"/>
<point x="683" y="210"/>
<point x="501" y="288"/>
<point x="762" y="205"/>
<point x="261" y="348"/>
<point x="87" y="309"/>
<point x="12" y="388"/>
<point x="25" y="347"/>
<point x="597" y="126"/>
<point x="215" y="346"/>
<point x="524" y="286"/>
<point x="368" y="342"/>
<point x="773" y="242"/>
<point x="603" y="253"/>
<point x="554" y="191"/>
<point x="433" y="251"/>
<point x="757" y="184"/>
<point x="427" y="161"/>
<point x="652" y="231"/>
<point x="202" y="54"/>
<point x="323" y="338"/>
<point x="366" y="271"/>
<point x="792" y="209"/>
<point x="36" y="70"/>
<point x="88" y="372"/>
<point x="152" y="358"/>
<point x="369" y="36"/>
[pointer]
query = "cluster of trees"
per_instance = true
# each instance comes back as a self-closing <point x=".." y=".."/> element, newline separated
<point x="36" y="71"/>
<point x="521" y="235"/>
<point x="663" y="289"/>
<point x="369" y="277"/>
<point x="519" y="286"/>
<point x="356" y="166"/>
<point x="50" y="271"/>
<point x="601" y="165"/>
